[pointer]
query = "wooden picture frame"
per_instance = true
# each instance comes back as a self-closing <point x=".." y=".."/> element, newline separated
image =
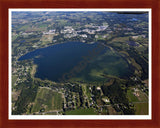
<point x="4" y="53"/>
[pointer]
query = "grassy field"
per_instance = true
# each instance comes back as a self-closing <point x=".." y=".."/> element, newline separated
<point x="140" y="102"/>
<point x="131" y="97"/>
<point x="89" y="111"/>
<point x="121" y="39"/>
<point x="141" y="108"/>
<point x="33" y="71"/>
<point x="52" y="113"/>
<point x="47" y="38"/>
<point x="14" y="78"/>
<point x="141" y="98"/>
<point x="47" y="100"/>
<point x="25" y="27"/>
<point x="43" y="25"/>
<point x="15" y="95"/>
<point x="88" y="93"/>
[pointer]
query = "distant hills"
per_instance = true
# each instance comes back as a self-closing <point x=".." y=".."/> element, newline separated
<point x="131" y="12"/>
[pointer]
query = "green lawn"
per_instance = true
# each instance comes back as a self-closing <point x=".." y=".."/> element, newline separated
<point x="48" y="100"/>
<point x="89" y="111"/>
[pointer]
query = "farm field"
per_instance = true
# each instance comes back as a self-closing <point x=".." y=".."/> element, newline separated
<point x="89" y="111"/>
<point x="140" y="101"/>
<point x="47" y="100"/>
<point x="141" y="108"/>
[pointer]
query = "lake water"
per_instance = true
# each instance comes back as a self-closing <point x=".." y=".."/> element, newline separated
<point x="54" y="61"/>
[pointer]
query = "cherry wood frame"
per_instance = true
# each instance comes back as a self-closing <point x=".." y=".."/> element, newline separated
<point x="6" y="4"/>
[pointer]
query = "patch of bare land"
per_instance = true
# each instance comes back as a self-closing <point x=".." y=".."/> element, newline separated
<point x="15" y="95"/>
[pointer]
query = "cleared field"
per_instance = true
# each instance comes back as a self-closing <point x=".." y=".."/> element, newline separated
<point x="89" y="111"/>
<point x="121" y="39"/>
<point x="47" y="100"/>
<point x="47" y="38"/>
<point x="141" y="108"/>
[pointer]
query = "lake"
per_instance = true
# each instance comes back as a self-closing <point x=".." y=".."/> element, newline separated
<point x="56" y="60"/>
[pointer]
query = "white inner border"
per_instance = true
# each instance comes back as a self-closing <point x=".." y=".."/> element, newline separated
<point x="77" y="117"/>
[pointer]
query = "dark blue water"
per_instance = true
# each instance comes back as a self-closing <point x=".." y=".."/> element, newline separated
<point x="58" y="59"/>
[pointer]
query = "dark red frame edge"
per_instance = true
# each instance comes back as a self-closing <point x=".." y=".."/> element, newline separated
<point x="6" y="4"/>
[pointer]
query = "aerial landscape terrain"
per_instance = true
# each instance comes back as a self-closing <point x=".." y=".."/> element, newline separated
<point x="80" y="63"/>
